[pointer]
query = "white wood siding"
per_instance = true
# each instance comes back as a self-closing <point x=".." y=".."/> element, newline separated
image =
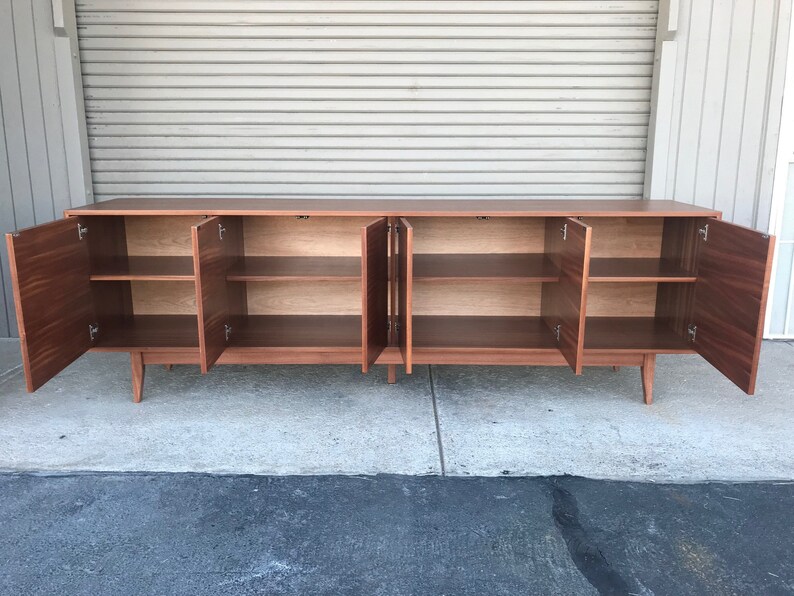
<point x="368" y="97"/>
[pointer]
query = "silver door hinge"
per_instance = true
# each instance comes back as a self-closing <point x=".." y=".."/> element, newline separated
<point x="301" y="217"/>
<point x="564" y="231"/>
<point x="388" y="325"/>
<point x="692" y="331"/>
<point x="228" y="331"/>
<point x="704" y="232"/>
<point x="556" y="331"/>
<point x="81" y="231"/>
<point x="388" y="227"/>
<point x="221" y="231"/>
<point x="483" y="217"/>
<point x="93" y="331"/>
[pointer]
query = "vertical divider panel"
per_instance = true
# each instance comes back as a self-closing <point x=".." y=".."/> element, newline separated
<point x="374" y="291"/>
<point x="405" y="240"/>
<point x="213" y="244"/>
<point x="564" y="303"/>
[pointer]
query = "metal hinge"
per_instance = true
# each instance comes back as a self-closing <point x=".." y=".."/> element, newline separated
<point x="556" y="331"/>
<point x="483" y="217"/>
<point x="564" y="231"/>
<point x="221" y="231"/>
<point x="81" y="231"/>
<point x="93" y="331"/>
<point x="388" y="325"/>
<point x="692" y="331"/>
<point x="388" y="228"/>
<point x="228" y="330"/>
<point x="301" y="217"/>
<point x="704" y="232"/>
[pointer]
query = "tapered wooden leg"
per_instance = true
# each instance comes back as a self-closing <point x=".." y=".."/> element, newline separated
<point x="647" y="369"/>
<point x="138" y="371"/>
<point x="168" y="366"/>
<point x="392" y="373"/>
<point x="615" y="369"/>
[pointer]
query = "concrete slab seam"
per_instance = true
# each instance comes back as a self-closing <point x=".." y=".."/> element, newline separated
<point x="437" y="422"/>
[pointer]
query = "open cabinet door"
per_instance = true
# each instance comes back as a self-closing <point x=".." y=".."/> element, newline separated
<point x="212" y="242"/>
<point x="405" y="254"/>
<point x="734" y="265"/>
<point x="374" y="291"/>
<point x="52" y="289"/>
<point x="564" y="302"/>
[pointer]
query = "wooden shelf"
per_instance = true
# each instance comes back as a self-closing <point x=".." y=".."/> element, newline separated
<point x="144" y="268"/>
<point x="638" y="270"/>
<point x="297" y="331"/>
<point x="482" y="332"/>
<point x="142" y="332"/>
<point x="296" y="268"/>
<point x="504" y="267"/>
<point x="636" y="334"/>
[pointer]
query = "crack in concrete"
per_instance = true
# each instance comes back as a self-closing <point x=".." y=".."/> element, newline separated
<point x="435" y="417"/>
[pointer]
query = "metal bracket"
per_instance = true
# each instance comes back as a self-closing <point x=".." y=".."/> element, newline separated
<point x="228" y="331"/>
<point x="692" y="331"/>
<point x="81" y="231"/>
<point x="564" y="231"/>
<point x="93" y="331"/>
<point x="483" y="217"/>
<point x="556" y="331"/>
<point x="704" y="232"/>
<point x="221" y="231"/>
<point x="301" y="217"/>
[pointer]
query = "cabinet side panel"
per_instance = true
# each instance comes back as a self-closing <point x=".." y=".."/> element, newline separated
<point x="405" y="306"/>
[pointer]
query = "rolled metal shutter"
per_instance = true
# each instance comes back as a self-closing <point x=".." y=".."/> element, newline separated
<point x="367" y="98"/>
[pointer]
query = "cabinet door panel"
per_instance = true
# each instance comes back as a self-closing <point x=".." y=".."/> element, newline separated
<point x="564" y="303"/>
<point x="50" y="275"/>
<point x="734" y="265"/>
<point x="374" y="291"/>
<point x="211" y="240"/>
<point x="405" y="253"/>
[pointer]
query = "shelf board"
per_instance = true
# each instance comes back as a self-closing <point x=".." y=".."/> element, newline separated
<point x="636" y="334"/>
<point x="149" y="331"/>
<point x="297" y="331"/>
<point x="482" y="332"/>
<point x="638" y="270"/>
<point x="144" y="268"/>
<point x="504" y="267"/>
<point x="296" y="269"/>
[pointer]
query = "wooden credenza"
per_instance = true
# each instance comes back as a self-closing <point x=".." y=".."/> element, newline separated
<point x="393" y="282"/>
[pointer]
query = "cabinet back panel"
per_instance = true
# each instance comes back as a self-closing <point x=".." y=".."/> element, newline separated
<point x="160" y="236"/>
<point x="621" y="300"/>
<point x="476" y="298"/>
<point x="469" y="235"/>
<point x="163" y="297"/>
<point x="305" y="298"/>
<point x="626" y="237"/>
<point x="291" y="237"/>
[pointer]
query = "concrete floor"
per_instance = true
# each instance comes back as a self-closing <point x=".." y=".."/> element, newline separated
<point x="195" y="535"/>
<point x="485" y="421"/>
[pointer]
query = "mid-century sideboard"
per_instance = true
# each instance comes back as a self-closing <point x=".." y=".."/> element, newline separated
<point x="394" y="282"/>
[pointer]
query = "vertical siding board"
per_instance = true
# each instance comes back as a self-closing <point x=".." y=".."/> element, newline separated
<point x="32" y="111"/>
<point x="53" y="127"/>
<point x="7" y="324"/>
<point x="13" y="127"/>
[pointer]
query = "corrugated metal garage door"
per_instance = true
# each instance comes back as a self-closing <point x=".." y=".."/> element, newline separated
<point x="367" y="97"/>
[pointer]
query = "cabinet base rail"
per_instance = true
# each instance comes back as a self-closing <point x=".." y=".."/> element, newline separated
<point x="391" y="357"/>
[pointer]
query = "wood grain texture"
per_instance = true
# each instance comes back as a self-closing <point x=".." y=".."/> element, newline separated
<point x="496" y="267"/>
<point x="393" y="207"/>
<point x="150" y="333"/>
<point x="308" y="332"/>
<point x="405" y="250"/>
<point x="54" y="303"/>
<point x="619" y="237"/>
<point x="313" y="237"/>
<point x="304" y="298"/>
<point x="469" y="235"/>
<point x="374" y="291"/>
<point x="143" y="269"/>
<point x="621" y="300"/>
<point x="296" y="269"/>
<point x="647" y="371"/>
<point x="211" y="261"/>
<point x="163" y="297"/>
<point x="564" y="302"/>
<point x="107" y="241"/>
<point x="482" y="332"/>
<point x="632" y="334"/>
<point x="149" y="236"/>
<point x="477" y="298"/>
<point x="138" y="375"/>
<point x="633" y="270"/>
<point x="734" y="266"/>
<point x="680" y="244"/>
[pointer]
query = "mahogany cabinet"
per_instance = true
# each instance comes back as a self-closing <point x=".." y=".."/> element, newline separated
<point x="394" y="282"/>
